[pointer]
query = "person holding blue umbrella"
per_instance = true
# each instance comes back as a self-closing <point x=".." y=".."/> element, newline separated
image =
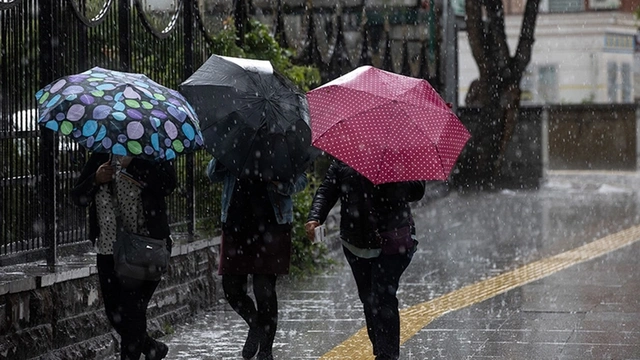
<point x="139" y="187"/>
<point x="134" y="128"/>
<point x="119" y="113"/>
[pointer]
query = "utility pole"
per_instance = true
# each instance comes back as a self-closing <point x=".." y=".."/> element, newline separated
<point x="449" y="63"/>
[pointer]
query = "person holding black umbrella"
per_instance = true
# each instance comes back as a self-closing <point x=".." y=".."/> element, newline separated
<point x="255" y="124"/>
<point x="378" y="238"/>
<point x="257" y="216"/>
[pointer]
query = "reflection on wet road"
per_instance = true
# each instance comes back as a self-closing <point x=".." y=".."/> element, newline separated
<point x="416" y="317"/>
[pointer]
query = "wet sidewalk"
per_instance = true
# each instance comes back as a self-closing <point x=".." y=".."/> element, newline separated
<point x="544" y="274"/>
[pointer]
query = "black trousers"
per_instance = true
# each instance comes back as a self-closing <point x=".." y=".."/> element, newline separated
<point x="125" y="302"/>
<point x="377" y="280"/>
<point x="262" y="314"/>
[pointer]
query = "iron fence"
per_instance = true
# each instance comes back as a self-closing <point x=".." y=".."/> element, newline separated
<point x="41" y="40"/>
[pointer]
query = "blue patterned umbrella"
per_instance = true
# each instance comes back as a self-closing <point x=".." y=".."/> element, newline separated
<point x="120" y="113"/>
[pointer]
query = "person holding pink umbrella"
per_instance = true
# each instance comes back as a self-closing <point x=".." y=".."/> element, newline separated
<point x="389" y="134"/>
<point x="378" y="238"/>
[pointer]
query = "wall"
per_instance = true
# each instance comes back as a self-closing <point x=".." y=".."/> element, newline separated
<point x="593" y="138"/>
<point x="566" y="137"/>
<point x="61" y="313"/>
<point x="629" y="5"/>
<point x="514" y="6"/>
<point x="523" y="165"/>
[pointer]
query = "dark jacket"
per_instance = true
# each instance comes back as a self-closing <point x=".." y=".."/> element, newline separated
<point x="364" y="207"/>
<point x="159" y="177"/>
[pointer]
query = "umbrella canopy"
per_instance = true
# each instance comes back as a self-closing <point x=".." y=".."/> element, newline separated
<point x="254" y="121"/>
<point x="386" y="126"/>
<point x="120" y="113"/>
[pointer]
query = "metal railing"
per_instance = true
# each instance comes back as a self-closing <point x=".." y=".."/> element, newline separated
<point x="42" y="40"/>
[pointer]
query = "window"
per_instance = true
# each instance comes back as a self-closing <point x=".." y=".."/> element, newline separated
<point x="604" y="4"/>
<point x="625" y="76"/>
<point x="566" y="5"/>
<point x="612" y="81"/>
<point x="548" y="84"/>
<point x="527" y="87"/>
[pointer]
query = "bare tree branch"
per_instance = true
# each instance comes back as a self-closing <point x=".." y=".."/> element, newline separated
<point x="477" y="35"/>
<point x="495" y="13"/>
<point x="525" y="45"/>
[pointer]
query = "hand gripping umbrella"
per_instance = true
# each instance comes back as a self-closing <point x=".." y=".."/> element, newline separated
<point x="386" y="126"/>
<point x="120" y="113"/>
<point x="254" y="121"/>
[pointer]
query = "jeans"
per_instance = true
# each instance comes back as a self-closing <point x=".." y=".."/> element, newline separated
<point x="377" y="280"/>
<point x="125" y="302"/>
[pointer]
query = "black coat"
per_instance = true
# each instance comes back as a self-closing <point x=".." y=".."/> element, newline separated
<point x="364" y="207"/>
<point x="159" y="177"/>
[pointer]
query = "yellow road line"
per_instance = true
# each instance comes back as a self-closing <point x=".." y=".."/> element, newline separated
<point x="415" y="318"/>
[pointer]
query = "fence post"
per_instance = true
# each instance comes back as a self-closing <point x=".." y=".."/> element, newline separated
<point x="449" y="52"/>
<point x="189" y="7"/>
<point x="49" y="48"/>
<point x="637" y="167"/>
<point x="124" y="32"/>
<point x="544" y="140"/>
<point x="240" y="18"/>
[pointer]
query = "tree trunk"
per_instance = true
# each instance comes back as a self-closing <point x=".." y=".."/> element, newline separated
<point x="495" y="95"/>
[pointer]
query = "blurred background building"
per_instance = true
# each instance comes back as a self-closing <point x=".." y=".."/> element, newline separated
<point x="585" y="51"/>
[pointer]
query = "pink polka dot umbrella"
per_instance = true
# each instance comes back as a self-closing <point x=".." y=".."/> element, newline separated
<point x="386" y="126"/>
<point x="120" y="113"/>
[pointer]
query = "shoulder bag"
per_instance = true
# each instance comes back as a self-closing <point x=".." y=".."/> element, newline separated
<point x="137" y="256"/>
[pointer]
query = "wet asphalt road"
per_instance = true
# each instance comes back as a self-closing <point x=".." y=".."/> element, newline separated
<point x="588" y="310"/>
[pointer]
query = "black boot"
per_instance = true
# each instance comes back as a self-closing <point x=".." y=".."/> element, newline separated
<point x="252" y="343"/>
<point x="266" y="345"/>
<point x="264" y="356"/>
<point x="155" y="350"/>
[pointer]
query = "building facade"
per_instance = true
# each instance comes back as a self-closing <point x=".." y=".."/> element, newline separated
<point x="585" y="51"/>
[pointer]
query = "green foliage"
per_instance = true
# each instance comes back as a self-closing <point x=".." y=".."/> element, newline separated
<point x="260" y="44"/>
<point x="307" y="257"/>
<point x="224" y="42"/>
<point x="208" y="199"/>
<point x="167" y="328"/>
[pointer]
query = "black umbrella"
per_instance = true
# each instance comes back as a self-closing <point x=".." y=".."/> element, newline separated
<point x="253" y="120"/>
